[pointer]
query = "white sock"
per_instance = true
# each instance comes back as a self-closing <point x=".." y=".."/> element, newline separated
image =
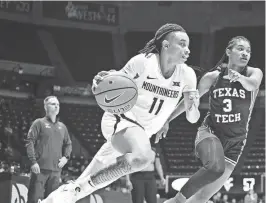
<point x="87" y="187"/>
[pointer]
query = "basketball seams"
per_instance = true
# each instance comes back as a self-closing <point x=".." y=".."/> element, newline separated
<point x="128" y="78"/>
<point x="121" y="87"/>
<point x="125" y="84"/>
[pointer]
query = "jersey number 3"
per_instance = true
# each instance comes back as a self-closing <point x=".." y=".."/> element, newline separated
<point x="228" y="105"/>
<point x="154" y="103"/>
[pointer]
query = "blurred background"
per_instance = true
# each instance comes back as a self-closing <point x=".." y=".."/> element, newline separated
<point x="58" y="47"/>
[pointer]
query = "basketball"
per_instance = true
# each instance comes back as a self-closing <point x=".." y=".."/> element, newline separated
<point x="116" y="93"/>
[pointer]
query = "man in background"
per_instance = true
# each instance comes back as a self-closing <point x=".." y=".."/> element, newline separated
<point x="143" y="184"/>
<point x="48" y="148"/>
<point x="251" y="197"/>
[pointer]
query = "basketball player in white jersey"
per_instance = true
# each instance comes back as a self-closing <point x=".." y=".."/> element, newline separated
<point x="162" y="77"/>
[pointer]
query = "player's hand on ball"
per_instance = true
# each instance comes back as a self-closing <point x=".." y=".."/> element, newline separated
<point x="35" y="168"/>
<point x="162" y="133"/>
<point x="98" y="78"/>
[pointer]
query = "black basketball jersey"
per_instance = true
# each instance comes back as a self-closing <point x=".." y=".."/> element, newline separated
<point x="230" y="107"/>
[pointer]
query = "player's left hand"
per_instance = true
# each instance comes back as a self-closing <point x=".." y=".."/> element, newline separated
<point x="99" y="77"/>
<point x="162" y="133"/>
<point x="62" y="162"/>
<point x="233" y="75"/>
<point x="194" y="95"/>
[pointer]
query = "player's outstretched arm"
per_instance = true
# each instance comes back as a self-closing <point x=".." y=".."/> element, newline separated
<point x="251" y="82"/>
<point x="203" y="87"/>
<point x="191" y="96"/>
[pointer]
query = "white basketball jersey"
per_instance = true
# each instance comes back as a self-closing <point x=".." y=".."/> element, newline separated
<point x="157" y="96"/>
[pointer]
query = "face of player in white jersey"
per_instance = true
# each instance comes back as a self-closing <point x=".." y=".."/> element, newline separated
<point x="240" y="53"/>
<point x="176" y="47"/>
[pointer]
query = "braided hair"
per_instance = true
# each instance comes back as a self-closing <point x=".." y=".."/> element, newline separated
<point x="154" y="45"/>
<point x="230" y="45"/>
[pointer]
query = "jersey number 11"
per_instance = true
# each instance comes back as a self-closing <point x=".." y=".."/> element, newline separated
<point x="153" y="105"/>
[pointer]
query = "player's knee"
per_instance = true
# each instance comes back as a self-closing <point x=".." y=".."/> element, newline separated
<point x="147" y="157"/>
<point x="216" y="168"/>
<point x="138" y="161"/>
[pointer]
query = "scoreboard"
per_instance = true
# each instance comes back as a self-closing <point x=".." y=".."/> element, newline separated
<point x="22" y="7"/>
<point x="100" y="13"/>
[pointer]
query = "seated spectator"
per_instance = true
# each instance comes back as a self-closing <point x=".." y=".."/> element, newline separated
<point x="82" y="159"/>
<point x="217" y="198"/>
<point x="70" y="166"/>
<point x="2" y="150"/>
<point x="2" y="167"/>
<point x="225" y="198"/>
<point x="77" y="168"/>
<point x="251" y="197"/>
<point x="86" y="163"/>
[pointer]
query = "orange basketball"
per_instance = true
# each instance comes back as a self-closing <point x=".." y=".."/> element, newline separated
<point x="116" y="93"/>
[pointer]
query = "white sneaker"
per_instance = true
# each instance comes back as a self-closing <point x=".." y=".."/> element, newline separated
<point x="66" y="193"/>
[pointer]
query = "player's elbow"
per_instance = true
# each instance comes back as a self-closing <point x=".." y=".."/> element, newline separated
<point x="215" y="169"/>
<point x="192" y="120"/>
<point x="252" y="86"/>
<point x="192" y="116"/>
<point x="250" y="89"/>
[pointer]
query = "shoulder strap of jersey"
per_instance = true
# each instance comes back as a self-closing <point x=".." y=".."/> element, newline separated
<point x="244" y="71"/>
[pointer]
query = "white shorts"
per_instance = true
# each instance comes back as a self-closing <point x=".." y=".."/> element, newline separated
<point x="112" y="124"/>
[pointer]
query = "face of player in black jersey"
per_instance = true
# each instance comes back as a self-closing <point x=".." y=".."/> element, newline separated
<point x="240" y="53"/>
<point x="176" y="46"/>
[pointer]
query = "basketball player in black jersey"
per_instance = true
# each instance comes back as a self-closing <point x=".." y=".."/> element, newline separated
<point x="222" y="135"/>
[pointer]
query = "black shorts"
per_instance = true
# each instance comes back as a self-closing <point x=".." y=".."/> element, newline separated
<point x="232" y="147"/>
